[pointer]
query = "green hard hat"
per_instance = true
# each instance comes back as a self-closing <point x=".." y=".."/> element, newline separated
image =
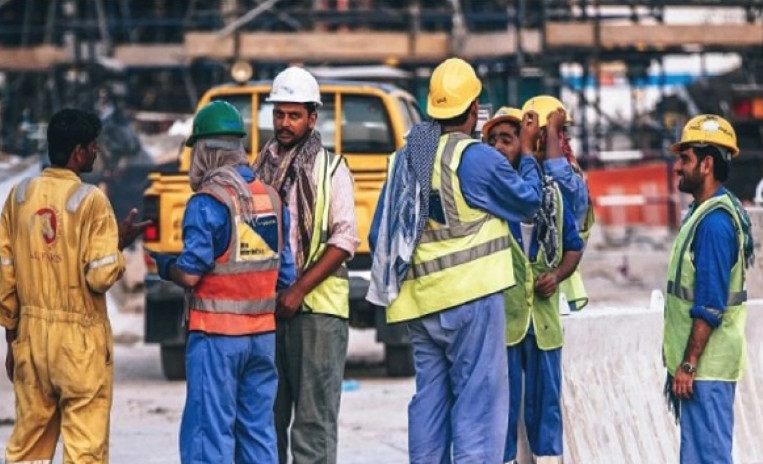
<point x="216" y="118"/>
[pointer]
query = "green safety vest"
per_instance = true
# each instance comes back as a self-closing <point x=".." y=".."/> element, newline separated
<point x="467" y="258"/>
<point x="572" y="286"/>
<point x="523" y="305"/>
<point x="724" y="354"/>
<point x="332" y="296"/>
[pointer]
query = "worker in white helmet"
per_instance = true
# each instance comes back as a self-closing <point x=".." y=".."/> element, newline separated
<point x="312" y="326"/>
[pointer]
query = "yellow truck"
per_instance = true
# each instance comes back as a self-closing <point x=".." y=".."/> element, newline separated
<point x="363" y="121"/>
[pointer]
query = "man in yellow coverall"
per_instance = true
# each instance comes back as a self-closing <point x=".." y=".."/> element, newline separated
<point x="60" y="251"/>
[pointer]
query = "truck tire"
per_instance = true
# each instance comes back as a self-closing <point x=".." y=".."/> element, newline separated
<point x="398" y="360"/>
<point x="173" y="361"/>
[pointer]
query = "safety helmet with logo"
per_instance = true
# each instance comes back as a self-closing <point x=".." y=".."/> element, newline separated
<point x="452" y="88"/>
<point x="295" y="85"/>
<point x="708" y="129"/>
<point x="504" y="114"/>
<point x="544" y="105"/>
<point x="216" y="118"/>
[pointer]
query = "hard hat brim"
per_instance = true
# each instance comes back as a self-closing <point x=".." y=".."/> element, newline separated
<point x="287" y="100"/>
<point x="194" y="138"/>
<point x="675" y="148"/>
<point x="495" y="121"/>
<point x="446" y="113"/>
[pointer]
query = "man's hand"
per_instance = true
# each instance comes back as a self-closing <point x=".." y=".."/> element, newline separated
<point x="529" y="133"/>
<point x="556" y="121"/>
<point x="683" y="384"/>
<point x="289" y="302"/>
<point x="545" y="284"/>
<point x="129" y="231"/>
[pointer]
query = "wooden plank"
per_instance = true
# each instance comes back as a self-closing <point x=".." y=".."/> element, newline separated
<point x="565" y="35"/>
<point x="31" y="58"/>
<point x="150" y="55"/>
<point x="207" y="45"/>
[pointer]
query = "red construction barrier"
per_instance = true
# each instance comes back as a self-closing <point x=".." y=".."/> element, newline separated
<point x="634" y="195"/>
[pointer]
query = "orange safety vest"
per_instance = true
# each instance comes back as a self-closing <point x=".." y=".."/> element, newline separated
<point x="238" y="296"/>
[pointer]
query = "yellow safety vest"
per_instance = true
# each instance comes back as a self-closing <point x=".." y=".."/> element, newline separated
<point x="724" y="354"/>
<point x="332" y="296"/>
<point x="467" y="258"/>
<point x="572" y="286"/>
<point x="523" y="305"/>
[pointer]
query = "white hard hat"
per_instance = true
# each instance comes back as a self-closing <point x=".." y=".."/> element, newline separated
<point x="295" y="85"/>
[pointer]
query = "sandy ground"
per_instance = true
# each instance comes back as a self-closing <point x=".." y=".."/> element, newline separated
<point x="621" y="268"/>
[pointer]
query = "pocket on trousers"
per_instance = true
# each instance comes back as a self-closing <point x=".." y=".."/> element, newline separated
<point x="454" y="319"/>
<point x="82" y="366"/>
<point x="23" y="363"/>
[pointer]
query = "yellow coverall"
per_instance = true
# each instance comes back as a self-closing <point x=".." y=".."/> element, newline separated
<point x="58" y="256"/>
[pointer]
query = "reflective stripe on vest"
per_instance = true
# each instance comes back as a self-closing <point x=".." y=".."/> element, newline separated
<point x="465" y="259"/>
<point x="75" y="200"/>
<point x="724" y="355"/>
<point x="238" y="284"/>
<point x="522" y="305"/>
<point x="332" y="296"/>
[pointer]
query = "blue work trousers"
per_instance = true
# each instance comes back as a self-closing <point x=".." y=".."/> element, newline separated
<point x="541" y="374"/>
<point x="459" y="411"/>
<point x="231" y="388"/>
<point x="707" y="423"/>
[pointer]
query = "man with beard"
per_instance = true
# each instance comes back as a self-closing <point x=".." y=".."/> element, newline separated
<point x="60" y="252"/>
<point x="312" y="326"/>
<point x="545" y="250"/>
<point x="705" y="309"/>
<point x="235" y="255"/>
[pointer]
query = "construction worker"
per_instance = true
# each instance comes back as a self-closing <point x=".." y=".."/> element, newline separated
<point x="705" y="309"/>
<point x="312" y="326"/>
<point x="563" y="168"/>
<point x="60" y="251"/>
<point x="545" y="251"/>
<point x="442" y="259"/>
<point x="235" y="254"/>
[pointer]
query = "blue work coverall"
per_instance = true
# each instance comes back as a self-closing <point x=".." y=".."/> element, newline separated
<point x="453" y="417"/>
<point x="247" y="363"/>
<point x="541" y="370"/>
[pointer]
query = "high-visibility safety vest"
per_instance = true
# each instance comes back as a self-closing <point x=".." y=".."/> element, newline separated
<point x="724" y="355"/>
<point x="572" y="286"/>
<point x="466" y="258"/>
<point x="238" y="296"/>
<point x="523" y="305"/>
<point x="59" y="250"/>
<point x="332" y="296"/>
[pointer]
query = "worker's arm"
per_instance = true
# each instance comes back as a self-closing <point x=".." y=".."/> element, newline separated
<point x="287" y="272"/>
<point x="9" y="304"/>
<point x="206" y="235"/>
<point x="341" y="245"/>
<point x="488" y="182"/>
<point x="104" y="262"/>
<point x="557" y="166"/>
<point x="715" y="250"/>
<point x="572" y="251"/>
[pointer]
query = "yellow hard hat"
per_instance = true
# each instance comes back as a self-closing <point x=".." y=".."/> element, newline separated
<point x="543" y="105"/>
<point x="504" y="114"/>
<point x="708" y="128"/>
<point x="453" y="87"/>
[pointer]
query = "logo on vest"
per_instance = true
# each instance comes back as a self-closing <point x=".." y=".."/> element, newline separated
<point x="45" y="224"/>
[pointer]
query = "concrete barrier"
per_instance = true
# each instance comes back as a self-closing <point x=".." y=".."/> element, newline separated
<point x="614" y="409"/>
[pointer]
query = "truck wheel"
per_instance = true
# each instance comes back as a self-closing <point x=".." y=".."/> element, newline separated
<point x="173" y="361"/>
<point x="399" y="360"/>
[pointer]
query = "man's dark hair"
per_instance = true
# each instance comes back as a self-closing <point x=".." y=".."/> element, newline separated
<point x="720" y="165"/>
<point x="311" y="108"/>
<point x="456" y="120"/>
<point x="67" y="129"/>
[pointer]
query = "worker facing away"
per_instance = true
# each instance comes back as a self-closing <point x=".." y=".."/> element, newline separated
<point x="545" y="251"/>
<point x="313" y="312"/>
<point x="562" y="166"/>
<point x="60" y="251"/>
<point x="235" y="255"/>
<point x="442" y="258"/>
<point x="705" y="309"/>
